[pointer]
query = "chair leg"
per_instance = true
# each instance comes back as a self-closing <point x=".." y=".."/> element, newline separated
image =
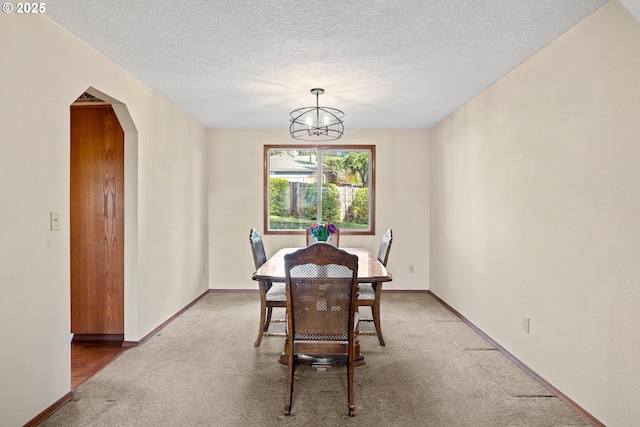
<point x="290" y="371"/>
<point x="268" y="322"/>
<point x="261" y="329"/>
<point x="375" y="311"/>
<point x="350" y="366"/>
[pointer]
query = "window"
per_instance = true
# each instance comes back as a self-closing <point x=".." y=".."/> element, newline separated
<point x="306" y="184"/>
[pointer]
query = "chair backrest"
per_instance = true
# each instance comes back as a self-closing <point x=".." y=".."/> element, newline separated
<point x="321" y="282"/>
<point x="385" y="247"/>
<point x="335" y="238"/>
<point x="257" y="247"/>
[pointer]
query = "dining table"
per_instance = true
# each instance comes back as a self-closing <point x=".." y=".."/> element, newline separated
<point x="370" y="270"/>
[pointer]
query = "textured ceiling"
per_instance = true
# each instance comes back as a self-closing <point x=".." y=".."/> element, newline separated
<point x="386" y="64"/>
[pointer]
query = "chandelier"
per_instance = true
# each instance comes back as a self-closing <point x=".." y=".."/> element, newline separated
<point x="316" y="123"/>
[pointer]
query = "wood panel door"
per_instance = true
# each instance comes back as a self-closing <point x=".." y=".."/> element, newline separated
<point x="97" y="222"/>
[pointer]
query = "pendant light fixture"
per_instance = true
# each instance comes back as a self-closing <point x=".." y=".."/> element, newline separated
<point x="316" y="123"/>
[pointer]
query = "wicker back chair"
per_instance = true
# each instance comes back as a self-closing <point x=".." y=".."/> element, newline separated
<point x="369" y="293"/>
<point x="272" y="295"/>
<point x="321" y="286"/>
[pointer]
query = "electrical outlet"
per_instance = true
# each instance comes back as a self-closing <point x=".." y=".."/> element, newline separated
<point x="525" y="323"/>
<point x="411" y="269"/>
<point x="54" y="220"/>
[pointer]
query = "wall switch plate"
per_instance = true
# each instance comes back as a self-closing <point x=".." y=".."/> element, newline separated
<point x="55" y="220"/>
<point x="411" y="269"/>
<point x="525" y="323"/>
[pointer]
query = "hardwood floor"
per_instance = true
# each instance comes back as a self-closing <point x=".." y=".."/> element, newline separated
<point x="89" y="357"/>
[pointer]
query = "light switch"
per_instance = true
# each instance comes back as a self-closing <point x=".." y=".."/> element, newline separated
<point x="55" y="220"/>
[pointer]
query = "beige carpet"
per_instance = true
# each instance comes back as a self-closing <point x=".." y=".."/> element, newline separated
<point x="203" y="370"/>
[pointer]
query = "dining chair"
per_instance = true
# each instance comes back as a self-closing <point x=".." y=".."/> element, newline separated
<point x="272" y="295"/>
<point x="322" y="310"/>
<point x="369" y="293"/>
<point x="335" y="238"/>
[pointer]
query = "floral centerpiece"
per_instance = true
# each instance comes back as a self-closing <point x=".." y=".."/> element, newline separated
<point x="322" y="232"/>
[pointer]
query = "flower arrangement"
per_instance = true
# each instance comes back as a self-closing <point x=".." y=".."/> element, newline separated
<point x="322" y="232"/>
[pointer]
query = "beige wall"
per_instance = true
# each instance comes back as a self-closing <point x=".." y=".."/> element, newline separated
<point x="44" y="69"/>
<point x="536" y="210"/>
<point x="236" y="203"/>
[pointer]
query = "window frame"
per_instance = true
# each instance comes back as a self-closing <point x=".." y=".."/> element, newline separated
<point x="371" y="231"/>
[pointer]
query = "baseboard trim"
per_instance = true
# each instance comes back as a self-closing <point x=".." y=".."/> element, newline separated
<point x="50" y="410"/>
<point x="405" y="291"/>
<point x="573" y="405"/>
<point x="98" y="337"/>
<point x="146" y="338"/>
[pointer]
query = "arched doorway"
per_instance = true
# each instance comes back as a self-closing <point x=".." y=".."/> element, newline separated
<point x="103" y="150"/>
<point x="97" y="221"/>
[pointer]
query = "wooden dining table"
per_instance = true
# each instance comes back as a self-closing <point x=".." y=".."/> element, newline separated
<point x="370" y="270"/>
